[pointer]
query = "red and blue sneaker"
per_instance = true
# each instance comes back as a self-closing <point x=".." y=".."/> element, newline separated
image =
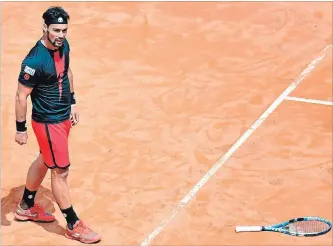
<point x="35" y="213"/>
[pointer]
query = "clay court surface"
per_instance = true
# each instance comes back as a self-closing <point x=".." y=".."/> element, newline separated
<point x="164" y="91"/>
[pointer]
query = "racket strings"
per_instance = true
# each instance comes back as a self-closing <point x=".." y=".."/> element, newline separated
<point x="308" y="227"/>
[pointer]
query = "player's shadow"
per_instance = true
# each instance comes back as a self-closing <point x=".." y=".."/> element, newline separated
<point x="44" y="197"/>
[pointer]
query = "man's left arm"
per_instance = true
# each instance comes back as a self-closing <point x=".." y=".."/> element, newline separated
<point x="70" y="77"/>
<point x="74" y="112"/>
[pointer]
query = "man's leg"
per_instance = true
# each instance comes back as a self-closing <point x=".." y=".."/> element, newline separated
<point x="27" y="209"/>
<point x="35" y="177"/>
<point x="62" y="196"/>
<point x="76" y="229"/>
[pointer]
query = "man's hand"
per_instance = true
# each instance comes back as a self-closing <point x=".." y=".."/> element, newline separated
<point x="74" y="115"/>
<point x="21" y="138"/>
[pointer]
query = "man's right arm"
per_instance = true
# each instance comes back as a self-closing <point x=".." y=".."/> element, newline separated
<point x="22" y="94"/>
<point x="26" y="82"/>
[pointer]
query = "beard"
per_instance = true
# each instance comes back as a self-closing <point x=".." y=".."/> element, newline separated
<point x="57" y="42"/>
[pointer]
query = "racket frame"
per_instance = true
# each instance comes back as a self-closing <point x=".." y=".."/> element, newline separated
<point x="280" y="227"/>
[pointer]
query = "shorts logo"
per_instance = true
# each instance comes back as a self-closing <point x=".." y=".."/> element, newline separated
<point x="26" y="76"/>
<point x="29" y="70"/>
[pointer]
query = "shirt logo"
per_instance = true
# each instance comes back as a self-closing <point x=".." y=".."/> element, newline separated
<point x="29" y="70"/>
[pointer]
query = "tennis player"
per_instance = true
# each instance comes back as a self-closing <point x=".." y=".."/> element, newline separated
<point x="46" y="76"/>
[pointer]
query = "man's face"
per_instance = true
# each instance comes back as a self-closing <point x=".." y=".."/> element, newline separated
<point x="56" y="34"/>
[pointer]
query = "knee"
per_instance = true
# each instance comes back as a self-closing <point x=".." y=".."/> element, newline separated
<point x="38" y="163"/>
<point x="60" y="173"/>
<point x="40" y="158"/>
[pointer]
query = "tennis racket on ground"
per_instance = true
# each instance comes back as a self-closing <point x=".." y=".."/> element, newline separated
<point x="301" y="227"/>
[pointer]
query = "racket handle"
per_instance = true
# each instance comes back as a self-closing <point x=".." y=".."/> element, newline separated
<point x="248" y="228"/>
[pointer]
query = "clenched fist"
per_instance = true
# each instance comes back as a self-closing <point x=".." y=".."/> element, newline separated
<point x="21" y="137"/>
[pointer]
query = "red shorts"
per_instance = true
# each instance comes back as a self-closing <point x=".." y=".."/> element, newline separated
<point x="53" y="142"/>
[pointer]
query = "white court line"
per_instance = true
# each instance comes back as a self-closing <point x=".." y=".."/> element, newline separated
<point x="239" y="142"/>
<point x="306" y="100"/>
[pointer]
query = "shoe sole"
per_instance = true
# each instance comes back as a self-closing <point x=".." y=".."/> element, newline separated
<point x="82" y="241"/>
<point x="24" y="219"/>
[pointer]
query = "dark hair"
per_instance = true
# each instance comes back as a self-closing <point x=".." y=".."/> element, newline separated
<point x="53" y="13"/>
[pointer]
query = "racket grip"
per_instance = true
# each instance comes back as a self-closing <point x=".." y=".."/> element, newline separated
<point x="248" y="228"/>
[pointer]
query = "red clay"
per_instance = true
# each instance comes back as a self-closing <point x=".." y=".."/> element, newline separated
<point x="164" y="90"/>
